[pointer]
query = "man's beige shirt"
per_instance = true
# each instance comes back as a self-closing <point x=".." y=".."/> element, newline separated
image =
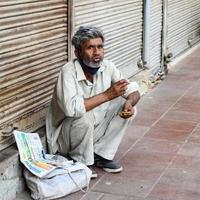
<point x="70" y="91"/>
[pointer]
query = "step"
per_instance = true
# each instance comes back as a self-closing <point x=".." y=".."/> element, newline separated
<point x="25" y="195"/>
<point x="11" y="171"/>
<point x="11" y="179"/>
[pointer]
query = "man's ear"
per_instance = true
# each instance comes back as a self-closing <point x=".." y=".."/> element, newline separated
<point x="77" y="53"/>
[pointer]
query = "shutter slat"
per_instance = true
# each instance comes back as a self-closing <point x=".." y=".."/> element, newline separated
<point x="33" y="48"/>
<point x="121" y="23"/>
<point x="183" y="25"/>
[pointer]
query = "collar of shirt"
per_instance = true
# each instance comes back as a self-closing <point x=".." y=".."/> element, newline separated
<point x="80" y="74"/>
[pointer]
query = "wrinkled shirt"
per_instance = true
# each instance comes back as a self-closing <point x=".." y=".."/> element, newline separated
<point x="71" y="90"/>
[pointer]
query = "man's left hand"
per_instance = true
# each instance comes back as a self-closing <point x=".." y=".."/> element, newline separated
<point x="127" y="111"/>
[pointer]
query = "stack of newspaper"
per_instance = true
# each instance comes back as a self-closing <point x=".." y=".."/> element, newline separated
<point x="33" y="157"/>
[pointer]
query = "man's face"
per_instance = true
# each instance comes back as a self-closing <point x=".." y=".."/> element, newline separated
<point x="92" y="52"/>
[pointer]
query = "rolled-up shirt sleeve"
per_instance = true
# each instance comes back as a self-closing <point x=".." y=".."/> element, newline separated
<point x="69" y="95"/>
<point x="131" y="87"/>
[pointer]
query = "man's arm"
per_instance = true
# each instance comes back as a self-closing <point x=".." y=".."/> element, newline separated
<point x="130" y="102"/>
<point x="133" y="98"/>
<point x="117" y="89"/>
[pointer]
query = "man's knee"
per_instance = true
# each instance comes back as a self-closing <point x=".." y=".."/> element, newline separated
<point x="83" y="122"/>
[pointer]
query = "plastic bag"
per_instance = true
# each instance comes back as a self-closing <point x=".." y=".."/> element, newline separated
<point x="60" y="182"/>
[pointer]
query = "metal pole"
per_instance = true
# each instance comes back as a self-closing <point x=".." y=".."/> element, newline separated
<point x="146" y="34"/>
<point x="163" y="68"/>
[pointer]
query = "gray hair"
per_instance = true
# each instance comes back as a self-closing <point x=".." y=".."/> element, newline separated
<point x="86" y="33"/>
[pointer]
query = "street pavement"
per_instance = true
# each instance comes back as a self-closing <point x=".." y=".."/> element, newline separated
<point x="160" y="152"/>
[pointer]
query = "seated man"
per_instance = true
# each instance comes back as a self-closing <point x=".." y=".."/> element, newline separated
<point x="83" y="119"/>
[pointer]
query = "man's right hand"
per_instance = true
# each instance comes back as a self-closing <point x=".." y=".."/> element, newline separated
<point x="117" y="89"/>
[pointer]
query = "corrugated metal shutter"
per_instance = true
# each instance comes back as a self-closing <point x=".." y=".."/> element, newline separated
<point x="183" y="25"/>
<point x="121" y="21"/>
<point x="155" y="35"/>
<point x="33" y="46"/>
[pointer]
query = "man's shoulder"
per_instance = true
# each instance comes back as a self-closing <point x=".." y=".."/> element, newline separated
<point x="69" y="64"/>
<point x="68" y="67"/>
<point x="108" y="65"/>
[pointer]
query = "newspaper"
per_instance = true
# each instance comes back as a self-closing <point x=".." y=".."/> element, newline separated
<point x="53" y="178"/>
<point x="33" y="157"/>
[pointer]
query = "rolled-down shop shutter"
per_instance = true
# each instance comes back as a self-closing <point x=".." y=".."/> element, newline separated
<point x="33" y="47"/>
<point x="121" y="22"/>
<point x="183" y="25"/>
<point x="155" y="34"/>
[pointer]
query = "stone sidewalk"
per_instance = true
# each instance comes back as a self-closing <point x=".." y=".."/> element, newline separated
<point x="160" y="153"/>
